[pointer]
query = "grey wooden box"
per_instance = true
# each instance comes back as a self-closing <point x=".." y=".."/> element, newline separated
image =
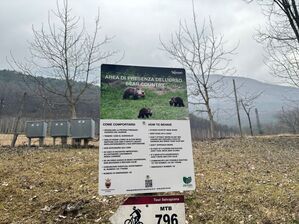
<point x="83" y="128"/>
<point x="60" y="128"/>
<point x="36" y="129"/>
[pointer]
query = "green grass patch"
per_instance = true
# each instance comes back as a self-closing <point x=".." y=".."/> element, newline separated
<point x="113" y="106"/>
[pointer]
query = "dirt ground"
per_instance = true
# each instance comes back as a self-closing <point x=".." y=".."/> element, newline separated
<point x="254" y="180"/>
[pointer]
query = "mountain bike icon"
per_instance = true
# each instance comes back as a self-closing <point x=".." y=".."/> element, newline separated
<point x="135" y="217"/>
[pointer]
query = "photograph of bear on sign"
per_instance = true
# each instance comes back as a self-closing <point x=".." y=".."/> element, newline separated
<point x="145" y="139"/>
<point x="139" y="92"/>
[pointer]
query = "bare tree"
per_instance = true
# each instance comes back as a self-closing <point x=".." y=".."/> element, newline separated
<point x="199" y="50"/>
<point x="281" y="38"/>
<point x="247" y="102"/>
<point x="64" y="51"/>
<point x="289" y="119"/>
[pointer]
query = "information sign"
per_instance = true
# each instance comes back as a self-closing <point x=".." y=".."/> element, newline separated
<point x="145" y="139"/>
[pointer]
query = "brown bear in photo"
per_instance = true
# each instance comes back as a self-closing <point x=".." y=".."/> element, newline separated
<point x="176" y="101"/>
<point x="133" y="93"/>
<point x="145" y="112"/>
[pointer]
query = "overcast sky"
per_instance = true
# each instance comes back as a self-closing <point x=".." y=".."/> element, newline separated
<point x="137" y="25"/>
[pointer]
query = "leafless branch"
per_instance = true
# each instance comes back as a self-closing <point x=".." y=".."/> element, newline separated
<point x="203" y="53"/>
<point x="281" y="38"/>
<point x="247" y="102"/>
<point x="66" y="51"/>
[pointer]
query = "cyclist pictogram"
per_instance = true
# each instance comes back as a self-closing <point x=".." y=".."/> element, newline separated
<point x="135" y="217"/>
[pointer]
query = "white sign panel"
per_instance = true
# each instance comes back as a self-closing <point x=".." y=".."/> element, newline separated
<point x="145" y="139"/>
<point x="151" y="210"/>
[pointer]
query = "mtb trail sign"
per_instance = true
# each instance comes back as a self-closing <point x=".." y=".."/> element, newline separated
<point x="151" y="210"/>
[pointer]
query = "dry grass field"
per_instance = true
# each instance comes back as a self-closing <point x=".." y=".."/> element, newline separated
<point x="254" y="180"/>
<point x="5" y="140"/>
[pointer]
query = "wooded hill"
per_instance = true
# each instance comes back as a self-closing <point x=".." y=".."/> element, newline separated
<point x="13" y="85"/>
<point x="41" y="105"/>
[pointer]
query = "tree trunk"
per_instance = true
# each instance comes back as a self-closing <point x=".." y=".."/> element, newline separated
<point x="73" y="110"/>
<point x="15" y="129"/>
<point x="250" y="125"/>
<point x="212" y="123"/>
<point x="258" y="122"/>
<point x="73" y="116"/>
<point x="209" y="111"/>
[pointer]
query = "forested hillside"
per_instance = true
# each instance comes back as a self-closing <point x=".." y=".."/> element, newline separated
<point x="41" y="105"/>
